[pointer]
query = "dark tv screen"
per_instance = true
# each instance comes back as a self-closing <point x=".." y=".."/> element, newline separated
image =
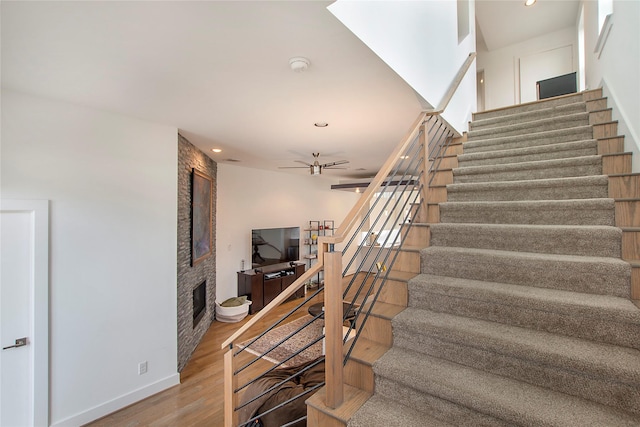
<point x="274" y="245"/>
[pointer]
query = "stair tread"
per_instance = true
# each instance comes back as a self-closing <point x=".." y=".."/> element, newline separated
<point x="536" y="183"/>
<point x="527" y="125"/>
<point x="367" y="351"/>
<point x="503" y="398"/>
<point x="379" y="411"/>
<point x="561" y="146"/>
<point x="571" y="353"/>
<point x="401" y="276"/>
<point x="547" y="299"/>
<point x="536" y="164"/>
<point x="553" y="110"/>
<point x="526" y="204"/>
<point x="536" y="105"/>
<point x="593" y="240"/>
<point x="528" y="255"/>
<point x="382" y="309"/>
<point x="501" y="141"/>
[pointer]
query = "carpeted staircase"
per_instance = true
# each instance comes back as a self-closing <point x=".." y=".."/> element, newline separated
<point x="521" y="314"/>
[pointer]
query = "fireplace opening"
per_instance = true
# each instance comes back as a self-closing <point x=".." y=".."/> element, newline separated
<point x="199" y="302"/>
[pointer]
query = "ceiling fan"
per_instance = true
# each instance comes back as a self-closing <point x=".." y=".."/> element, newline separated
<point x="316" y="168"/>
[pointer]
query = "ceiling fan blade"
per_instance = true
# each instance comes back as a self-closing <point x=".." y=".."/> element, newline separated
<point x="339" y="162"/>
<point x="333" y="167"/>
<point x="293" y="167"/>
<point x="303" y="162"/>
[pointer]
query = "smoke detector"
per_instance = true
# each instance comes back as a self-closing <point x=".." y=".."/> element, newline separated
<point x="299" y="64"/>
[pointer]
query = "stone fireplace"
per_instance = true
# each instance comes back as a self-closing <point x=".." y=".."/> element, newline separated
<point x="191" y="325"/>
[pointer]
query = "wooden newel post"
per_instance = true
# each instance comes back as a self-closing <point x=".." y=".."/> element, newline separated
<point x="333" y="327"/>
<point x="230" y="384"/>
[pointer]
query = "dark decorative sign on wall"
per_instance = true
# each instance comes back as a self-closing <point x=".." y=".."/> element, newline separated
<point x="201" y="211"/>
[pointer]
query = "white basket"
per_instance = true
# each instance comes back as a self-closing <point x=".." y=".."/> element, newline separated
<point x="232" y="314"/>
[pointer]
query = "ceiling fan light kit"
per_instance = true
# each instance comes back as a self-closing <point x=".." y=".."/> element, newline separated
<point x="316" y="168"/>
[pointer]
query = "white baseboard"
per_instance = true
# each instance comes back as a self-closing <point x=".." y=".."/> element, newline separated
<point x="119" y="402"/>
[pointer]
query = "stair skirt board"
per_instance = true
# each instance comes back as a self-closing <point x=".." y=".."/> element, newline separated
<point x="521" y="313"/>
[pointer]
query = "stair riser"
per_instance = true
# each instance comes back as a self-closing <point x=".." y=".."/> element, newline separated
<point x="611" y="145"/>
<point x="442" y="409"/>
<point x="532" y="140"/>
<point x="524" y="108"/>
<point x="531" y="193"/>
<point x="576" y="275"/>
<point x="628" y="213"/>
<point x="443" y="163"/>
<point x="550" y="155"/>
<point x="433" y="214"/>
<point x="600" y="116"/>
<point x="542" y="318"/>
<point x="605" y="130"/>
<point x="417" y="236"/>
<point x="624" y="187"/>
<point x="596" y="104"/>
<point x="605" y="243"/>
<point x="440" y="178"/>
<point x="450" y="213"/>
<point x="377" y="330"/>
<point x="407" y="261"/>
<point x="316" y="418"/>
<point x="631" y="245"/>
<point x="437" y="194"/>
<point x="359" y="375"/>
<point x="544" y="373"/>
<point x="394" y="292"/>
<point x="558" y="123"/>
<point x="539" y="172"/>
<point x="616" y="164"/>
<point x="512" y="119"/>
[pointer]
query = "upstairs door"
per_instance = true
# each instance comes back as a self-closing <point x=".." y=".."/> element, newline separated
<point x="24" y="313"/>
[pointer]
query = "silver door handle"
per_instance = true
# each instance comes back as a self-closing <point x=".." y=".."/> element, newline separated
<point x="19" y="343"/>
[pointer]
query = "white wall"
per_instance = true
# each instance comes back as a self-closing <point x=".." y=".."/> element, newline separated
<point x="111" y="181"/>
<point x="419" y="41"/>
<point x="617" y="70"/>
<point x="501" y="66"/>
<point x="254" y="198"/>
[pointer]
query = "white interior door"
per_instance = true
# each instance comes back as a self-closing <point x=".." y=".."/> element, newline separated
<point x="541" y="66"/>
<point x="24" y="313"/>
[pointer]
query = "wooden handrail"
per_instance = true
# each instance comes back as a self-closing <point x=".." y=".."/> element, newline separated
<point x="362" y="205"/>
<point x="333" y="289"/>
<point x="453" y="86"/>
<point x="282" y="297"/>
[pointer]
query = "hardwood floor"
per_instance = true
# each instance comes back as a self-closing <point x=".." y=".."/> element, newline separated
<point x="198" y="399"/>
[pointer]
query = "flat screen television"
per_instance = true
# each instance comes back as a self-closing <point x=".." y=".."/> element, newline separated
<point x="274" y="245"/>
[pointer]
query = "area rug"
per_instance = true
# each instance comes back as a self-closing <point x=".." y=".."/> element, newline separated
<point x="291" y="345"/>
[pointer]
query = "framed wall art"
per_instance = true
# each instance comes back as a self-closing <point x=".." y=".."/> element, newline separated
<point x="201" y="216"/>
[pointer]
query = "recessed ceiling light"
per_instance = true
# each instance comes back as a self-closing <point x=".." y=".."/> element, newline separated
<point x="404" y="157"/>
<point x="321" y="124"/>
<point x="529" y="2"/>
<point x="216" y="150"/>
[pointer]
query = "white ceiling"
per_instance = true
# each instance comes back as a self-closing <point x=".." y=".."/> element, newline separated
<point x="505" y="22"/>
<point x="219" y="72"/>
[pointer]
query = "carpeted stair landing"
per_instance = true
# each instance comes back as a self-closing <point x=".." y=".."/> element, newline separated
<point x="521" y="314"/>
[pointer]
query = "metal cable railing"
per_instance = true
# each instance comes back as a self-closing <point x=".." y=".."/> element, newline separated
<point x="370" y="251"/>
